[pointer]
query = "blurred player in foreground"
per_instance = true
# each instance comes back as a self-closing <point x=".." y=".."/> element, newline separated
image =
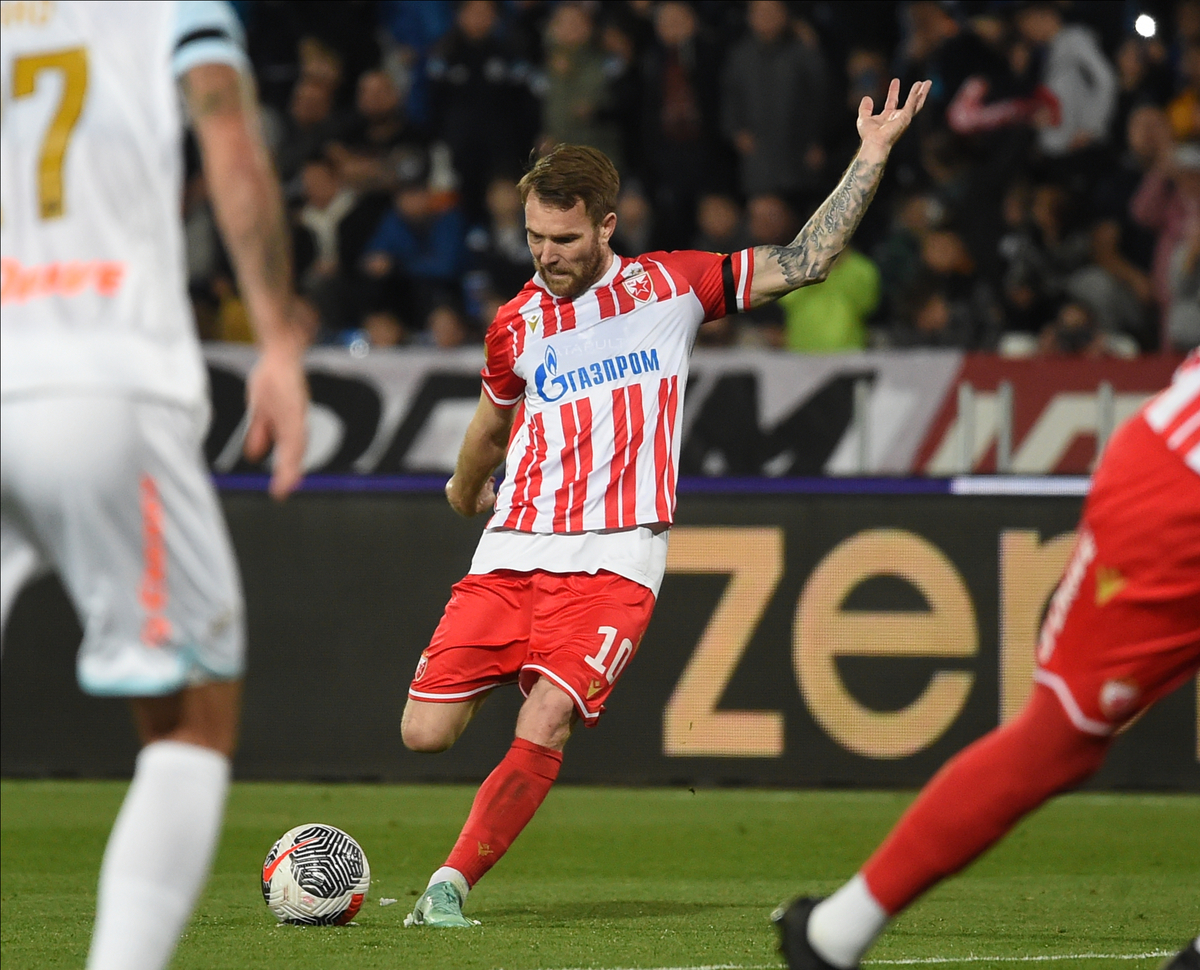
<point x="582" y="396"/>
<point x="103" y="404"/>
<point x="1122" y="631"/>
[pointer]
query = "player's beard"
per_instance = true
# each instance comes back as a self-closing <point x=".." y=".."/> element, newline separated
<point x="573" y="279"/>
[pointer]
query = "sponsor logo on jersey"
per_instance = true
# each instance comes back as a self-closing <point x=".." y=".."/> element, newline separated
<point x="532" y="319"/>
<point x="1109" y="582"/>
<point x="640" y="287"/>
<point x="594" y="688"/>
<point x="552" y="385"/>
<point x="20" y="283"/>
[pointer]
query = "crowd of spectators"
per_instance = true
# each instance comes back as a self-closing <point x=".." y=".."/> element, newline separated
<point x="1047" y="200"/>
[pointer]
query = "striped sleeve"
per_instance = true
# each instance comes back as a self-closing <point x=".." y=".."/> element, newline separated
<point x="721" y="282"/>
<point x="500" y="382"/>
<point x="206" y="32"/>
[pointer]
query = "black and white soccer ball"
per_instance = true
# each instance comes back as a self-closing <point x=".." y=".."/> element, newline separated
<point x="315" y="875"/>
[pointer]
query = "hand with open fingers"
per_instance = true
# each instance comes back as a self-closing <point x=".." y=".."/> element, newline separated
<point x="882" y="130"/>
<point x="277" y="401"/>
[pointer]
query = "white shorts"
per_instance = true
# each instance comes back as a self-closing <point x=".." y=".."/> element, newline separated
<point x="112" y="493"/>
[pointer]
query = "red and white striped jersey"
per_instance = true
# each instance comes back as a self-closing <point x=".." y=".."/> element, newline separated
<point x="601" y="379"/>
<point x="1174" y="414"/>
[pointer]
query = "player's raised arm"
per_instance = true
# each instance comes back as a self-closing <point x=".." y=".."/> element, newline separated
<point x="471" y="489"/>
<point x="249" y="211"/>
<point x="809" y="257"/>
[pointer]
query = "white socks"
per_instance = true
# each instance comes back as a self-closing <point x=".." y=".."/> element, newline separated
<point x="843" y="927"/>
<point x="158" y="855"/>
<point x="454" y="877"/>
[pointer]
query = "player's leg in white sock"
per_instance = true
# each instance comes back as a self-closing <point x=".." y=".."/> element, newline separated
<point x="843" y="927"/>
<point x="158" y="855"/>
<point x="161" y="847"/>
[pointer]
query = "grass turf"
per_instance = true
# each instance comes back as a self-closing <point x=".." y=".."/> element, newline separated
<point x="621" y="878"/>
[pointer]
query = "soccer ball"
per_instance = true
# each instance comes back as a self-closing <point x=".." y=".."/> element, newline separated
<point x="315" y="875"/>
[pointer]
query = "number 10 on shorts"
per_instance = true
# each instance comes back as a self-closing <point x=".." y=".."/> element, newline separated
<point x="599" y="662"/>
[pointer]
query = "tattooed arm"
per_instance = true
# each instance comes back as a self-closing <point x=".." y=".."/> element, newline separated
<point x="248" y="205"/>
<point x="809" y="257"/>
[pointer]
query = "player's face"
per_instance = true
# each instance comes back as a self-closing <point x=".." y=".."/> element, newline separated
<point x="569" y="251"/>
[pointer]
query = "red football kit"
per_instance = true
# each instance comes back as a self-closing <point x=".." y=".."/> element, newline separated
<point x="563" y="581"/>
<point x="1123" y="628"/>
<point x="1122" y="631"/>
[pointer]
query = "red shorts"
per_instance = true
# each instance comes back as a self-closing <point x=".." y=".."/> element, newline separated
<point x="1123" y="628"/>
<point x="579" y="631"/>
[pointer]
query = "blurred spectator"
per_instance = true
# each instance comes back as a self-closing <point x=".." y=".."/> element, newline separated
<point x="1079" y="75"/>
<point x="683" y="157"/>
<point x="1184" y="109"/>
<point x="327" y="203"/>
<point x="1183" y="314"/>
<point x="1168" y="202"/>
<point x="773" y="92"/>
<point x="1118" y="286"/>
<point x="273" y="43"/>
<point x="719" y="224"/>
<point x="977" y="319"/>
<point x="415" y="26"/>
<point x="635" y="222"/>
<point x="947" y="172"/>
<point x="769" y="222"/>
<point x="948" y="53"/>
<point x="1039" y="250"/>
<point x="446" y="328"/>
<point x="308" y="126"/>
<point x="573" y="108"/>
<point x="499" y="246"/>
<point x="1143" y="76"/>
<point x="867" y="76"/>
<point x="481" y="103"/>
<point x="623" y="90"/>
<point x="832" y="315"/>
<point x="898" y="255"/>
<point x="1073" y="332"/>
<point x="381" y="328"/>
<point x="932" y="319"/>
<point x="377" y="148"/>
<point x="1038" y="176"/>
<point x="415" y="256"/>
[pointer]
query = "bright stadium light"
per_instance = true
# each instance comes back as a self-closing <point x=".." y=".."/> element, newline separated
<point x="1145" y="26"/>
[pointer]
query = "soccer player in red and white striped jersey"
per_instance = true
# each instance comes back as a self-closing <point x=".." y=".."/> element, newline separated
<point x="1122" y="632"/>
<point x="582" y="398"/>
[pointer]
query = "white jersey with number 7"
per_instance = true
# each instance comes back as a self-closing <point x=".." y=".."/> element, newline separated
<point x="94" y="282"/>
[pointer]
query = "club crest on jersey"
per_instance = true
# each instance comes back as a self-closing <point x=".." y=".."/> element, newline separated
<point x="640" y="287"/>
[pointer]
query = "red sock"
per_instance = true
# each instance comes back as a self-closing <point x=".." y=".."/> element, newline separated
<point x="503" y="807"/>
<point x="979" y="795"/>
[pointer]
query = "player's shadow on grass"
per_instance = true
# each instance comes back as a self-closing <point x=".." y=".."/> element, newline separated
<point x="612" y="909"/>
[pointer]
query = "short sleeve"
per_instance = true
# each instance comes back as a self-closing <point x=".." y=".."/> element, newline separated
<point x="206" y="32"/>
<point x="500" y="382"/>
<point x="721" y="282"/>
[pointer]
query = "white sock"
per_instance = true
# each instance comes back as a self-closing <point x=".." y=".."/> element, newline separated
<point x="843" y="927"/>
<point x="158" y="855"/>
<point x="451" y="875"/>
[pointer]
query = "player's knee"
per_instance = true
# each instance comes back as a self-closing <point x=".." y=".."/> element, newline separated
<point x="425" y="735"/>
<point x="547" y="716"/>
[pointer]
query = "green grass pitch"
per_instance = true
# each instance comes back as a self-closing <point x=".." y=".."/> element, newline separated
<point x="607" y="878"/>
